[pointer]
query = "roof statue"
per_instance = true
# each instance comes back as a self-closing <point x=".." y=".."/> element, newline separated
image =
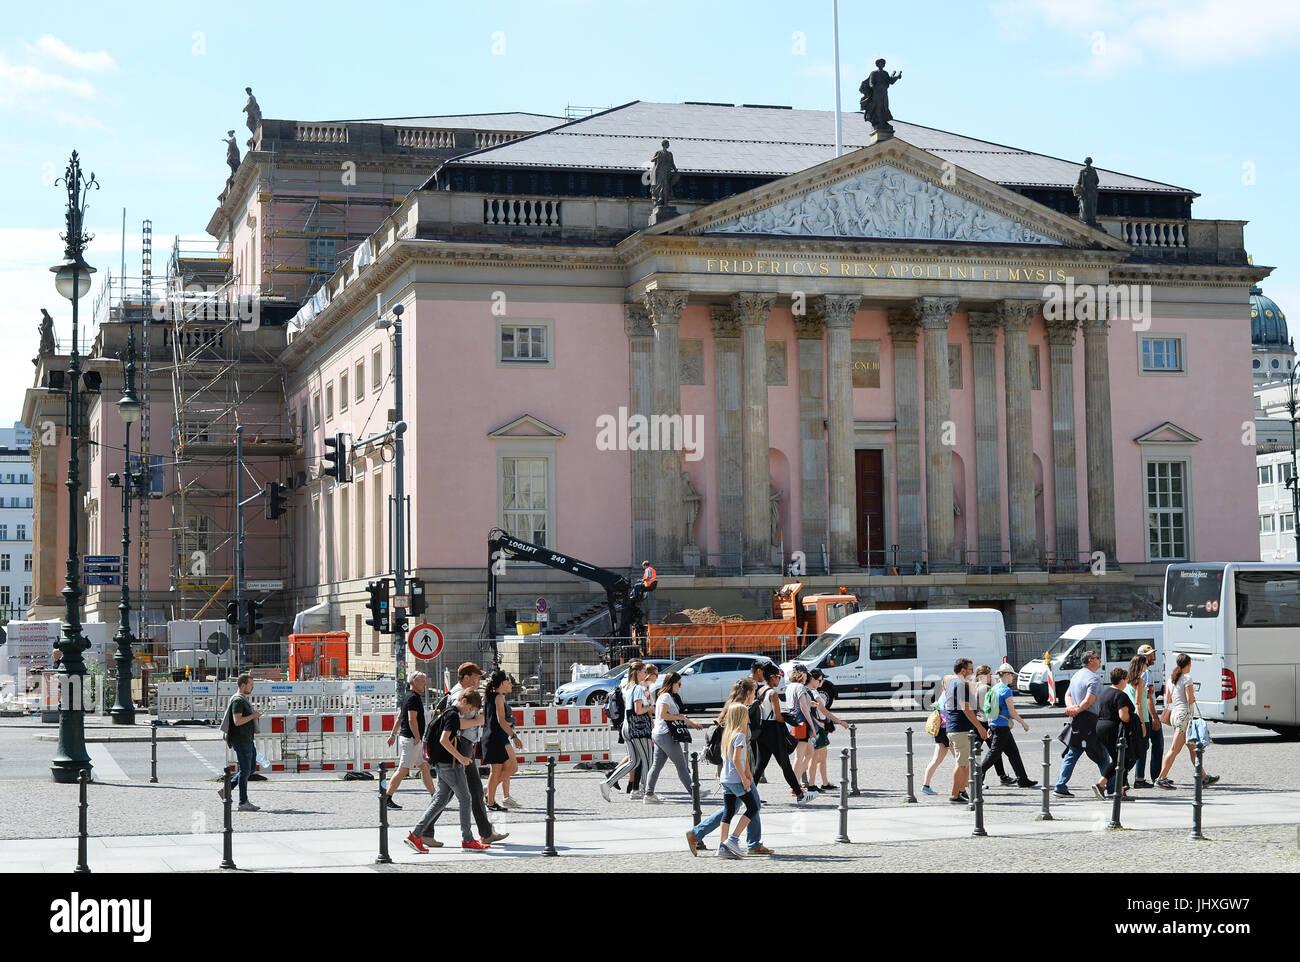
<point x="875" y="101"/>
<point x="232" y="156"/>
<point x="253" y="115"/>
<point x="1086" y="190"/>
<point x="663" y="177"/>
<point x="46" y="328"/>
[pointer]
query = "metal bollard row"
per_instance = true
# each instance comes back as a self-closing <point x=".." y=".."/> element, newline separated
<point x="853" y="747"/>
<point x="977" y="786"/>
<point x="844" y="796"/>
<point x="1118" y="777"/>
<point x="911" y="775"/>
<point x="383" y="858"/>
<point x="1195" y="834"/>
<point x="83" y="836"/>
<point x="153" y="754"/>
<point x="228" y="831"/>
<point x="550" y="807"/>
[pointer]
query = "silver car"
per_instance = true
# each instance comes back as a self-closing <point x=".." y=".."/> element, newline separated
<point x="596" y="690"/>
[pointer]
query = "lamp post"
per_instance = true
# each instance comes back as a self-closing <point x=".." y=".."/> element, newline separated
<point x="1294" y="482"/>
<point x="72" y="280"/>
<point x="128" y="406"/>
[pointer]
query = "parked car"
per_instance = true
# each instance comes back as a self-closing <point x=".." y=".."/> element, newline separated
<point x="707" y="679"/>
<point x="596" y="690"/>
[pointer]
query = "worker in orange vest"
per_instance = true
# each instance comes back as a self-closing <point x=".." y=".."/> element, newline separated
<point x="649" y="577"/>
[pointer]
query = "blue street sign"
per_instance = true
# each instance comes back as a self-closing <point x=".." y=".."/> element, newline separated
<point x="102" y="568"/>
<point x="102" y="579"/>
<point x="102" y="559"/>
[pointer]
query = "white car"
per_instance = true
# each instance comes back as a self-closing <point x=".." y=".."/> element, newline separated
<point x="707" y="679"/>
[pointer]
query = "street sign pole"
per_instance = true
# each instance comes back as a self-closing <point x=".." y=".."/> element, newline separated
<point x="242" y="658"/>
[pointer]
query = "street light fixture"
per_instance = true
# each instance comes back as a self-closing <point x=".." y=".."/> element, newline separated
<point x="72" y="280"/>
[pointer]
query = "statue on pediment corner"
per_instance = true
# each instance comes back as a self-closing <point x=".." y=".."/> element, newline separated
<point x="47" y="347"/>
<point x="1085" y="189"/>
<point x="875" y="100"/>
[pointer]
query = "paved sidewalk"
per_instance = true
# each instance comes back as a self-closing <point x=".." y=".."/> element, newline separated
<point x="354" y="849"/>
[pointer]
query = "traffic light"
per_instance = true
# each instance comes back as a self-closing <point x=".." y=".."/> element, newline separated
<point x="252" y="617"/>
<point x="275" y="498"/>
<point x="380" y="610"/>
<point x="232" y="612"/>
<point x="415" y="588"/>
<point x="336" y="458"/>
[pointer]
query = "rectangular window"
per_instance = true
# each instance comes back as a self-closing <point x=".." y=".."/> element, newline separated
<point x="1166" y="510"/>
<point x="22" y="532"/>
<point x="343" y="391"/>
<point x="4" y="562"/>
<point x="320" y="253"/>
<point x="1268" y="599"/>
<point x="1266" y="524"/>
<point x="893" y="644"/>
<point x="361" y="380"/>
<point x="1265" y="474"/>
<point x="344" y="530"/>
<point x="361" y="525"/>
<point x="28" y="504"/>
<point x="315" y="410"/>
<point x="1286" y="522"/>
<point x="376" y="369"/>
<point x="4" y="532"/>
<point x="1284" y="472"/>
<point x="523" y="343"/>
<point x="27" y="560"/>
<point x="524" y="498"/>
<point x="329" y="401"/>
<point x="27" y="594"/>
<point x="25" y="479"/>
<point x="4" y="595"/>
<point x="381" y="563"/>
<point x="1162" y="354"/>
<point x="1122" y="650"/>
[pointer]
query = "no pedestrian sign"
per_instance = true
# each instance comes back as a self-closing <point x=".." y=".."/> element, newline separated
<point x="425" y="641"/>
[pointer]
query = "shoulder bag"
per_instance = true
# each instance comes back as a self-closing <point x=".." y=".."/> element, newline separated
<point x="678" y="728"/>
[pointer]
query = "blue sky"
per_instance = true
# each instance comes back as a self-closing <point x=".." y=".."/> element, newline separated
<point x="1191" y="92"/>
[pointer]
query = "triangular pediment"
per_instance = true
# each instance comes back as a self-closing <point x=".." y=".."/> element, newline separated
<point x="526" y="426"/>
<point x="1167" y="433"/>
<point x="890" y="191"/>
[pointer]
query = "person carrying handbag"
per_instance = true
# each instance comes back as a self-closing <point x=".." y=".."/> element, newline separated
<point x="1178" y="715"/>
<point x="774" y="739"/>
<point x="671" y="730"/>
<point x="637" y="725"/>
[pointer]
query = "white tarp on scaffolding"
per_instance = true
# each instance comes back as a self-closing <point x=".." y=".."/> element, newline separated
<point x="313" y="620"/>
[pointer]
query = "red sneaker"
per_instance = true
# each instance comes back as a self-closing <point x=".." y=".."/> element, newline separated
<point x="413" y="842"/>
<point x="475" y="845"/>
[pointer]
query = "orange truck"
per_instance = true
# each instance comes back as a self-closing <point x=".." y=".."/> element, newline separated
<point x="797" y="619"/>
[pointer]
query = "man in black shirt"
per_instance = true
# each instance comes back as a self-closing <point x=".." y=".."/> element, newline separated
<point x="409" y="728"/>
<point x="451" y="764"/>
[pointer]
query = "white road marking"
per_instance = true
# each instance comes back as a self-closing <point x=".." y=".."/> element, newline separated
<point x="106" y="767"/>
<point x="206" y="764"/>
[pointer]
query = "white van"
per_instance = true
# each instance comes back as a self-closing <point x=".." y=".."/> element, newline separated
<point x="886" y="654"/>
<point x="1117" y="642"/>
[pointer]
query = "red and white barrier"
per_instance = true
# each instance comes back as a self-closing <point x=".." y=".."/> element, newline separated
<point x="576" y="734"/>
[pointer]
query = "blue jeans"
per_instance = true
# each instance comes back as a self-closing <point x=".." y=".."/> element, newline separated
<point x="753" y="831"/>
<point x="1094" y="750"/>
<point x="246" y="762"/>
<point x="1155" y="745"/>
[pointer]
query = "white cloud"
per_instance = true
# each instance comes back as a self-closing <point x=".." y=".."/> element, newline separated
<point x="82" y="60"/>
<point x="21" y="84"/>
<point x="69" y="118"/>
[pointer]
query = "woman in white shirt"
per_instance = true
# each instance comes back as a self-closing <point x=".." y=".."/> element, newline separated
<point x="668" y="709"/>
<point x="637" y="724"/>
<point x="1182" y="702"/>
<point x="799" y="701"/>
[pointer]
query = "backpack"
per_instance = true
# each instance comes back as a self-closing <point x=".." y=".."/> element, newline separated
<point x="756" y="713"/>
<point x="228" y="721"/>
<point x="713" y="747"/>
<point x="616" y="708"/>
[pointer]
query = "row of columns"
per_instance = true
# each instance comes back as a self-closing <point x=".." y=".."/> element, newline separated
<point x="827" y="469"/>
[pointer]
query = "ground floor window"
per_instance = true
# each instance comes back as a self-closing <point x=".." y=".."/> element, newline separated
<point x="524" y="499"/>
<point x="1166" y="485"/>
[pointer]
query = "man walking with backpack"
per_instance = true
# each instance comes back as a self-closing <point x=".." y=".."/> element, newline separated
<point x="1000" y="709"/>
<point x="443" y="746"/>
<point x="961" y="724"/>
<point x="469" y="675"/>
<point x="240" y="724"/>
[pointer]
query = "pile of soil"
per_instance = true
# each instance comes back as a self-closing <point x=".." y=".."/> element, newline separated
<point x="698" y="616"/>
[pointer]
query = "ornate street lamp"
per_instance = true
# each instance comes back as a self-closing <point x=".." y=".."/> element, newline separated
<point x="72" y="280"/>
<point x="1294" y="482"/>
<point x="128" y="406"/>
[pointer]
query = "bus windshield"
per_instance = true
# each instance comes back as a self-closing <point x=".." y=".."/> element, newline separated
<point x="1193" y="592"/>
<point x="819" y="646"/>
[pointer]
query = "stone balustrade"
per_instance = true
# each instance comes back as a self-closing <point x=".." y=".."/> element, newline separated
<point x="321" y="133"/>
<point x="522" y="211"/>
<point x="430" y="138"/>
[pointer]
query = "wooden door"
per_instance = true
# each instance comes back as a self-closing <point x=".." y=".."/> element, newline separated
<point x="870" y="477"/>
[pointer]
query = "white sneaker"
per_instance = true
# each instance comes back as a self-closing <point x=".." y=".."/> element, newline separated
<point x="653" y="800"/>
<point x="249" y="807"/>
<point x="604" y="790"/>
<point x="637" y="796"/>
<point x="509" y="802"/>
<point x="725" y="852"/>
<point x="731" y="847"/>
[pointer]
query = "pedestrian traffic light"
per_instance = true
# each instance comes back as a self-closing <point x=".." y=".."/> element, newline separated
<point x="252" y="617"/>
<point x="415" y="588"/>
<point x="336" y="458"/>
<point x="232" y="612"/>
<point x="275" y="500"/>
<point x="378" y="605"/>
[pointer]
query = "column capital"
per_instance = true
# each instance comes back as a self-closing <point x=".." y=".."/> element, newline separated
<point x="983" y="326"/>
<point x="725" y="322"/>
<point x="1096" y="326"/>
<point x="636" y="320"/>
<point x="837" y="310"/>
<point x="809" y="327"/>
<point x="664" y="307"/>
<point x="1016" y="313"/>
<point x="752" y="309"/>
<point x="1060" y="330"/>
<point x="903" y="322"/>
<point x="936" y="312"/>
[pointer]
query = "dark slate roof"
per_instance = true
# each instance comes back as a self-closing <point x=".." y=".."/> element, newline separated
<point x="508" y="121"/>
<point x="766" y="141"/>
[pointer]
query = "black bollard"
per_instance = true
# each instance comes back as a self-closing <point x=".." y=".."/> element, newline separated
<point x="853" y="758"/>
<point x="228" y="831"/>
<point x="1117" y="777"/>
<point x="550" y="807"/>
<point x="911" y="775"/>
<point x="977" y="786"/>
<point x="1195" y="834"/>
<point x="844" y="796"/>
<point x="971" y="763"/>
<point x="695" y="795"/>
<point x="383" y="858"/>
<point x="1046" y="814"/>
<point x="153" y="752"/>
<point x="83" y="836"/>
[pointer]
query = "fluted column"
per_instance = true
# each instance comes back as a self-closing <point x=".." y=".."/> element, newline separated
<point x="837" y="311"/>
<point x="726" y="366"/>
<point x="665" y="311"/>
<point x="907" y="433"/>
<point x="988" y="487"/>
<point x="936" y="315"/>
<point x="1060" y="339"/>
<point x="1015" y="316"/>
<point x="752" y="311"/>
<point x="1101" y="466"/>
<point x="808" y="331"/>
<point x="640" y="334"/>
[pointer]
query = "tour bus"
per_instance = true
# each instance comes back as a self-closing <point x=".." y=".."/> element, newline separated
<point x="1240" y="623"/>
<point x="884" y="654"/>
<point x="1117" y="642"/>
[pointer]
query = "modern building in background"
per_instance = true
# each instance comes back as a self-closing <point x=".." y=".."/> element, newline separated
<point x="16" y="521"/>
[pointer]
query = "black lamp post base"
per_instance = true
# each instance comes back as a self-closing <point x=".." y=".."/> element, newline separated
<point x="69" y="772"/>
<point x="122" y="716"/>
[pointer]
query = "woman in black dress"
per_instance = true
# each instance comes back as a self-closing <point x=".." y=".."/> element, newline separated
<point x="1114" y="710"/>
<point x="498" y="730"/>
